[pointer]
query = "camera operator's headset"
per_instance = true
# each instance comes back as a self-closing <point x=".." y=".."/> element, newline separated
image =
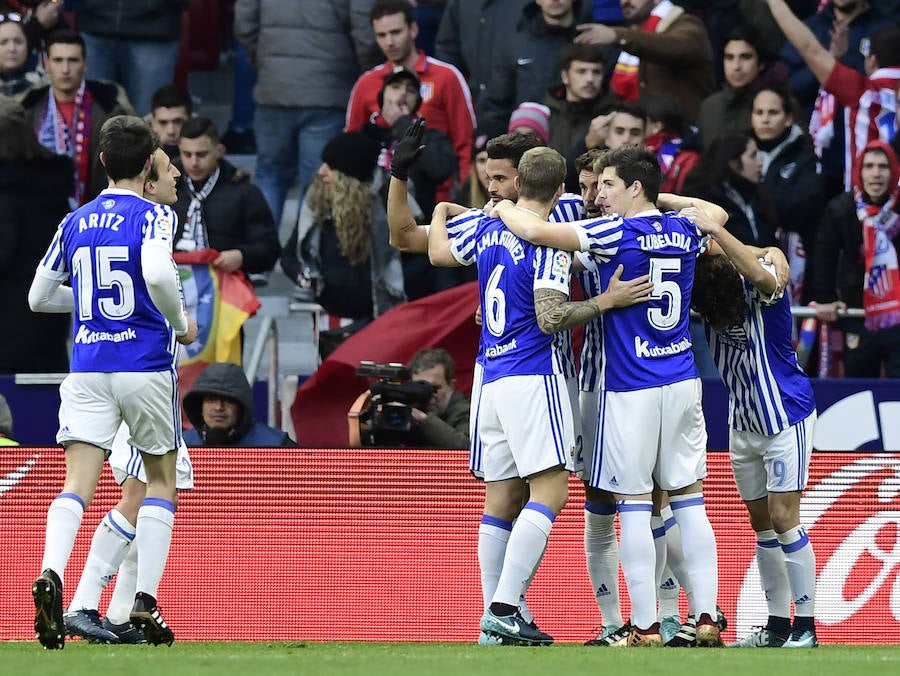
<point x="356" y="418"/>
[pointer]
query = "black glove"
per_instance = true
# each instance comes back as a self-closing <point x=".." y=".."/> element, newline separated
<point x="408" y="150"/>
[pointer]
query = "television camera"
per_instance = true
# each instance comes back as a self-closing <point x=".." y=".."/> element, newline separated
<point x="388" y="419"/>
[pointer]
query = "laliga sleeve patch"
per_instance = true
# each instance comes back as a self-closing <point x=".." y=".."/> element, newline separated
<point x="163" y="225"/>
<point x="562" y="263"/>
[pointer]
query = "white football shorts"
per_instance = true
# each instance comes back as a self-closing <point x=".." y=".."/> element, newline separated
<point x="93" y="405"/>
<point x="654" y="433"/>
<point x="476" y="448"/>
<point x="589" y="406"/>
<point x="125" y="461"/>
<point x="772" y="464"/>
<point x="525" y="425"/>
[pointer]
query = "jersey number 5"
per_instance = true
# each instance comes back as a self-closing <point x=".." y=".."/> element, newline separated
<point x="98" y="273"/>
<point x="665" y="289"/>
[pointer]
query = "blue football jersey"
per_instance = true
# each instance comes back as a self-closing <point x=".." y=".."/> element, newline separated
<point x="768" y="391"/>
<point x="116" y="327"/>
<point x="569" y="208"/>
<point x="509" y="271"/>
<point x="649" y="344"/>
<point x="592" y="335"/>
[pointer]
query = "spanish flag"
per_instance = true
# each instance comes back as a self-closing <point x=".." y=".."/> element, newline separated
<point x="221" y="302"/>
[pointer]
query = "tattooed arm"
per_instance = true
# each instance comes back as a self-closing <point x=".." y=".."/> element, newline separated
<point x="555" y="313"/>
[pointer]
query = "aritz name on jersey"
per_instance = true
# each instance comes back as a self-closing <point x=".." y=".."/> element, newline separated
<point x="497" y="350"/>
<point x="110" y="221"/>
<point x="86" y="337"/>
<point x="642" y="348"/>
<point x="503" y="238"/>
<point x="666" y="240"/>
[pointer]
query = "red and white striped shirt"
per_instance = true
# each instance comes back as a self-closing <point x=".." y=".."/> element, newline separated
<point x="870" y="105"/>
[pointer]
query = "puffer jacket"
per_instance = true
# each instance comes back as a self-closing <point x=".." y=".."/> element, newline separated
<point x="793" y="179"/>
<point x="306" y="54"/>
<point x="236" y="216"/>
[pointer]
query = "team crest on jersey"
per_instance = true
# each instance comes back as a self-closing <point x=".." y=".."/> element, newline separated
<point x="426" y="91"/>
<point x="108" y="204"/>
<point x="561" y="263"/>
<point x="657" y="226"/>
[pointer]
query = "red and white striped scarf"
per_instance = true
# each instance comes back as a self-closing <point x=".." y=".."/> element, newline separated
<point x="53" y="133"/>
<point x="624" y="81"/>
<point x="881" y="288"/>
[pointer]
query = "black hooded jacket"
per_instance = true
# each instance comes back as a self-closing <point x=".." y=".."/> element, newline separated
<point x="228" y="380"/>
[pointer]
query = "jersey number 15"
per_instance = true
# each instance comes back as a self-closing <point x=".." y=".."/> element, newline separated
<point x="97" y="273"/>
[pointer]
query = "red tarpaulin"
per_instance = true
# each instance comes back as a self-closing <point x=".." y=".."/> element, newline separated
<point x="444" y="320"/>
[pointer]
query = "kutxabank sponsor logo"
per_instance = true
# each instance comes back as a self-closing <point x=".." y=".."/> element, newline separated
<point x="853" y="518"/>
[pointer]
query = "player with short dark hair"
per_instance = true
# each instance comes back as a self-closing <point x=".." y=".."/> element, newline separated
<point x="647" y="374"/>
<point x="524" y="291"/>
<point x="129" y="315"/>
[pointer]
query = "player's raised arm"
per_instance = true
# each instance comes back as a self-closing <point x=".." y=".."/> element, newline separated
<point x="671" y="202"/>
<point x="744" y="259"/>
<point x="439" y="249"/>
<point x="528" y="226"/>
<point x="406" y="235"/>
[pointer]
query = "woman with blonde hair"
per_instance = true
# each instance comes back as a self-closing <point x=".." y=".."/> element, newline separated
<point x="340" y="250"/>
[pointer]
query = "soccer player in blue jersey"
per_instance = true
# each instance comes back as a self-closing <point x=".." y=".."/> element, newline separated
<point x="111" y="546"/>
<point x="650" y="423"/>
<point x="525" y="421"/>
<point x="504" y="153"/>
<point x="129" y="316"/>
<point x="771" y="414"/>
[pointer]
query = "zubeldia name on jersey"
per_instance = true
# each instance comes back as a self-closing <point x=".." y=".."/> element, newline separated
<point x="503" y="238"/>
<point x="666" y="240"/>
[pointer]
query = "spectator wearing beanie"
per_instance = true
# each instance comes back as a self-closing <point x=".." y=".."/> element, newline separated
<point x="353" y="154"/>
<point x="533" y="118"/>
<point x="340" y="250"/>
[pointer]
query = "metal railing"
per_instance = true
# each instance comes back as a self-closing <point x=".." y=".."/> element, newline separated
<point x="266" y="341"/>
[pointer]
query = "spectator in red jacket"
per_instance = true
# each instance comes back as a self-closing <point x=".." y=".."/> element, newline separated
<point x="446" y="103"/>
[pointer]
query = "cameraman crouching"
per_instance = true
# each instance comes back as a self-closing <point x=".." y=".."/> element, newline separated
<point x="446" y="422"/>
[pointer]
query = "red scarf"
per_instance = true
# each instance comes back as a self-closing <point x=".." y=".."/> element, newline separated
<point x="55" y="134"/>
<point x="880" y="225"/>
<point x="625" y="81"/>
